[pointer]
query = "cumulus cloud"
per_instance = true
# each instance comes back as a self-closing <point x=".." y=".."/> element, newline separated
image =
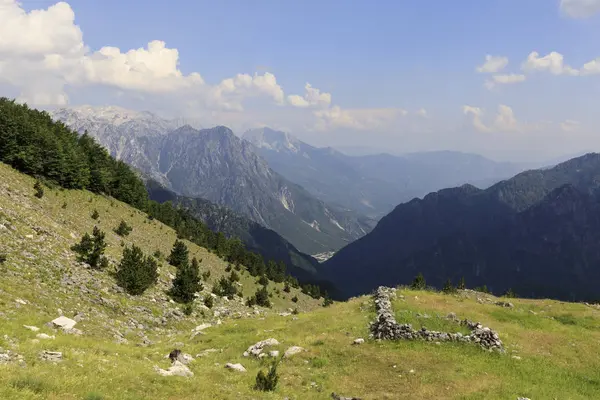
<point x="312" y="98"/>
<point x="359" y="119"/>
<point x="492" y="64"/>
<point x="505" y="79"/>
<point x="591" y="68"/>
<point x="552" y="62"/>
<point x="580" y="8"/>
<point x="503" y="121"/>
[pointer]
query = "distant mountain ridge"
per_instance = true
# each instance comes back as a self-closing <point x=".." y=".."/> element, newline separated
<point x="216" y="165"/>
<point x="536" y="233"/>
<point x="372" y="184"/>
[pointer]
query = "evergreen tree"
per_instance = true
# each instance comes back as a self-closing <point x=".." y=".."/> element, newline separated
<point x="268" y="382"/>
<point x="419" y="283"/>
<point x="261" y="297"/>
<point x="225" y="288"/>
<point x="461" y="284"/>
<point x="327" y="302"/>
<point x="186" y="282"/>
<point x="95" y="214"/>
<point x="123" y="229"/>
<point x="208" y="301"/>
<point x="179" y="256"/>
<point x="91" y="249"/>
<point x="448" y="287"/>
<point x="234" y="277"/>
<point x="39" y="189"/>
<point x="136" y="272"/>
<point x="286" y="287"/>
<point x="510" y="293"/>
<point x="263" y="280"/>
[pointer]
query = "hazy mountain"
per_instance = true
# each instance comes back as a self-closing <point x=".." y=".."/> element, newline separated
<point x="216" y="165"/>
<point x="256" y="237"/>
<point x="372" y="184"/>
<point x="536" y="233"/>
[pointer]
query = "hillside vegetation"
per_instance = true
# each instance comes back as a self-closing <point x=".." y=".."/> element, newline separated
<point x="551" y="346"/>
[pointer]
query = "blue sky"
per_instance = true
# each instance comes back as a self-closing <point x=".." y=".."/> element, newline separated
<point x="381" y="62"/>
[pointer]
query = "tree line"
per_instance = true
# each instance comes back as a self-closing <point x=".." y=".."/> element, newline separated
<point x="31" y="142"/>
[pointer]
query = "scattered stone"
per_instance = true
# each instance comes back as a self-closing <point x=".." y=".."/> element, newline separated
<point x="21" y="301"/>
<point x="177" y="355"/>
<point x="52" y="356"/>
<point x="338" y="397"/>
<point x="177" y="369"/>
<point x="256" y="349"/>
<point x="505" y="304"/>
<point x="359" y="341"/>
<point x="64" y="323"/>
<point x="44" y="336"/>
<point x="31" y="328"/>
<point x="516" y="357"/>
<point x="452" y="316"/>
<point x="293" y="351"/>
<point x="235" y="367"/>
<point x="274" y="353"/>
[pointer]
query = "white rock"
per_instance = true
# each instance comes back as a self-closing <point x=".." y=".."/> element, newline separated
<point x="257" y="348"/>
<point x="64" y="323"/>
<point x="44" y="336"/>
<point x="274" y="353"/>
<point x="177" y="369"/>
<point x="359" y="341"/>
<point x="20" y="301"/>
<point x="293" y="351"/>
<point x="31" y="328"/>
<point x="235" y="367"/>
<point x="206" y="352"/>
<point x="53" y="356"/>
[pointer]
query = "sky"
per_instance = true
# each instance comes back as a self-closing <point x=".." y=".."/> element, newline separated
<point x="509" y="79"/>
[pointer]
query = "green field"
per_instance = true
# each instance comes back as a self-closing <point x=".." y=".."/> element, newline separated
<point x="552" y="347"/>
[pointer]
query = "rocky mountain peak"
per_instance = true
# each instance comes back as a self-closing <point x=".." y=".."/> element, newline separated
<point x="267" y="138"/>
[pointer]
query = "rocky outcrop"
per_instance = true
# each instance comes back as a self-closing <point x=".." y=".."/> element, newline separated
<point x="257" y="348"/>
<point x="385" y="327"/>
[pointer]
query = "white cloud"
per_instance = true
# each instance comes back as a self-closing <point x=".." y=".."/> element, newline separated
<point x="505" y="79"/>
<point x="570" y="125"/>
<point x="492" y="64"/>
<point x="591" y="68"/>
<point x="552" y="62"/>
<point x="422" y="113"/>
<point x="580" y="8"/>
<point x="312" y="98"/>
<point x="358" y="119"/>
<point x="505" y="120"/>
<point x="476" y="113"/>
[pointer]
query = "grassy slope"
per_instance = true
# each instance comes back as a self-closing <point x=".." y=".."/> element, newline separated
<point x="558" y="342"/>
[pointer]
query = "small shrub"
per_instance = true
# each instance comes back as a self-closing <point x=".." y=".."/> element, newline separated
<point x="234" y="277"/>
<point x="286" y="287"/>
<point x="95" y="214"/>
<point x="64" y="205"/>
<point x="3" y="258"/>
<point x="419" y="283"/>
<point x="295" y="299"/>
<point x="238" y="267"/>
<point x="263" y="280"/>
<point x="461" y="284"/>
<point x="31" y="383"/>
<point x="225" y="288"/>
<point x="188" y="309"/>
<point x="209" y="301"/>
<point x="228" y="268"/>
<point x="93" y="396"/>
<point x="295" y="311"/>
<point x="261" y="297"/>
<point x="158" y="255"/>
<point x="123" y="229"/>
<point x="482" y="289"/>
<point x="39" y="189"/>
<point x="510" y="294"/>
<point x="268" y="382"/>
<point x="205" y="275"/>
<point x="327" y="302"/>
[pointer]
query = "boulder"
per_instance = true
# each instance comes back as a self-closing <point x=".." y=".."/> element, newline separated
<point x="359" y="341"/>
<point x="177" y="369"/>
<point x="293" y="351"/>
<point x="235" y="367"/>
<point x="31" y="328"/>
<point x="257" y="348"/>
<point x="64" y="323"/>
<point x="52" y="356"/>
<point x="44" y="336"/>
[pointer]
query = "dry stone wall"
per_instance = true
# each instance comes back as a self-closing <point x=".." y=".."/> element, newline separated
<point x="385" y="327"/>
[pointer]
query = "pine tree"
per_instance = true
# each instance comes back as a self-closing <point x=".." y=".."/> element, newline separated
<point x="286" y="287"/>
<point x="91" y="249"/>
<point x="95" y="214"/>
<point x="39" y="189"/>
<point x="448" y="287"/>
<point x="179" y="256"/>
<point x="419" y="283"/>
<point x="186" y="282"/>
<point x="261" y="297"/>
<point x="123" y="229"/>
<point x="510" y="294"/>
<point x="263" y="280"/>
<point x="327" y="302"/>
<point x="268" y="382"/>
<point x="462" y="285"/>
<point x="136" y="272"/>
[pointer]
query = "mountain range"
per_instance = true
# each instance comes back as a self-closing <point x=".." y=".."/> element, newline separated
<point x="373" y="184"/>
<point x="216" y="165"/>
<point x="536" y="233"/>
